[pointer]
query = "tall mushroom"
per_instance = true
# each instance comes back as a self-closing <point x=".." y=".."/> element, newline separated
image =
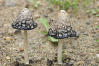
<point x="61" y="29"/>
<point x="24" y="21"/>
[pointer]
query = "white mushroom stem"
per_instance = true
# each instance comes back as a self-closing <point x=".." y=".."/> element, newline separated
<point x="59" y="54"/>
<point x="26" y="48"/>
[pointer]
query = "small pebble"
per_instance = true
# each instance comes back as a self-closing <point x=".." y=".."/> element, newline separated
<point x="97" y="36"/>
<point x="17" y="32"/>
<point x="97" y="58"/>
<point x="21" y="49"/>
<point x="8" y="38"/>
<point x="80" y="63"/>
<point x="30" y="61"/>
<point x="49" y="62"/>
<point x="50" y="9"/>
<point x="37" y="16"/>
<point x="22" y="64"/>
<point x="16" y="63"/>
<point x="45" y="15"/>
<point x="8" y="58"/>
<point x="69" y="64"/>
<point x="87" y="23"/>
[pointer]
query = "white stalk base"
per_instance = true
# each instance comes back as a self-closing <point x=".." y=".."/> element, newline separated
<point x="59" y="54"/>
<point x="26" y="48"/>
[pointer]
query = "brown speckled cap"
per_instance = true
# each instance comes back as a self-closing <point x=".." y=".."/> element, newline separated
<point x="24" y="21"/>
<point x="62" y="32"/>
<point x="61" y="28"/>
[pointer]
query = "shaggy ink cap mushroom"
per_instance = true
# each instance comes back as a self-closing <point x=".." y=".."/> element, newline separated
<point x="60" y="29"/>
<point x="24" y="21"/>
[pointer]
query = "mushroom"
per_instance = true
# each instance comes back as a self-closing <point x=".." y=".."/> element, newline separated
<point x="60" y="30"/>
<point x="25" y="22"/>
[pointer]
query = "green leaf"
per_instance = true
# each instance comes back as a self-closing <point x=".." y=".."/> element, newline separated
<point x="58" y="2"/>
<point x="67" y="4"/>
<point x="98" y="26"/>
<point x="64" y="4"/>
<point x="36" y="4"/>
<point x="93" y="11"/>
<point x="97" y="10"/>
<point x="84" y="2"/>
<point x="54" y="1"/>
<point x="74" y="4"/>
<point x="75" y="7"/>
<point x="97" y="40"/>
<point x="97" y="15"/>
<point x="76" y="1"/>
<point x="52" y="39"/>
<point x="44" y="32"/>
<point x="31" y="1"/>
<point x="61" y="4"/>
<point x="87" y="11"/>
<point x="45" y="23"/>
<point x="63" y="57"/>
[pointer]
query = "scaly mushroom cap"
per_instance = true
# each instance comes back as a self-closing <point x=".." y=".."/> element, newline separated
<point x="24" y="21"/>
<point x="61" y="28"/>
<point x="62" y="32"/>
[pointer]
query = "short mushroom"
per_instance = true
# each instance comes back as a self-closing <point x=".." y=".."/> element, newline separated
<point x="61" y="30"/>
<point x="24" y="22"/>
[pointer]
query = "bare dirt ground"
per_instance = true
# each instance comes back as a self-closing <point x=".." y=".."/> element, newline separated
<point x="82" y="51"/>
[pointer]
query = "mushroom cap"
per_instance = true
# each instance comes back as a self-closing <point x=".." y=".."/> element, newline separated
<point x="62" y="32"/>
<point x="24" y="21"/>
<point x="61" y="27"/>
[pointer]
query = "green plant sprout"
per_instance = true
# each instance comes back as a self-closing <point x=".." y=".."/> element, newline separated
<point x="44" y="21"/>
<point x="98" y="26"/>
<point x="93" y="11"/>
<point x="62" y="4"/>
<point x="35" y="3"/>
<point x="86" y="2"/>
<point x="97" y="40"/>
<point x="66" y="4"/>
<point x="74" y="5"/>
<point x="63" y="55"/>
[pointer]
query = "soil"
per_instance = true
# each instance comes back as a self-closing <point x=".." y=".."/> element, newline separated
<point x="80" y="51"/>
